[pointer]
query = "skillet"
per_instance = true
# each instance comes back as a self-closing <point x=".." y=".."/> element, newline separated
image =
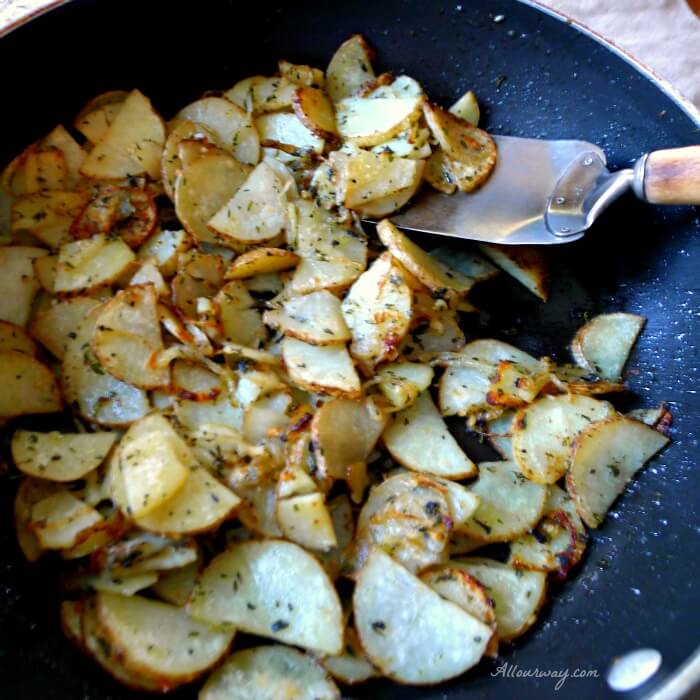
<point x="538" y="76"/>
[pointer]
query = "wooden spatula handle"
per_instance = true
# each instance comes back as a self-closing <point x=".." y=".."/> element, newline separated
<point x="672" y="176"/>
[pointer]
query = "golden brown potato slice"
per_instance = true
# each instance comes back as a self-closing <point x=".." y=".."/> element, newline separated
<point x="28" y="386"/>
<point x="132" y="145"/>
<point x="368" y="121"/>
<point x="327" y="369"/>
<point x="350" y="68"/>
<point x="257" y="213"/>
<point x="419" y="439"/>
<point x="288" y="133"/>
<point x="467" y="145"/>
<point x="269" y="673"/>
<point x="203" y="187"/>
<point x="437" y="172"/>
<point x="271" y="94"/>
<point x="300" y="74"/>
<point x="60" y="456"/>
<point x="30" y="492"/>
<point x="377" y="310"/>
<point x="261" y="261"/>
<point x="402" y="382"/>
<point x="467" y="108"/>
<point x="60" y="520"/>
<point x="163" y="247"/>
<point x="410" y="632"/>
<point x="306" y="520"/>
<point x="604" y="458"/>
<point x="18" y="283"/>
<point x="97" y="115"/>
<point x="527" y="264"/>
<point x="14" y="338"/>
<point x="231" y="126"/>
<point x="299" y="608"/>
<point x="185" y="130"/>
<point x="316" y="112"/>
<point x="54" y="327"/>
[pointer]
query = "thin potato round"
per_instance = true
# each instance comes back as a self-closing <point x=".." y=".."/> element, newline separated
<point x="525" y="263"/>
<point x="305" y="519"/>
<point x="269" y="673"/>
<point x="544" y="432"/>
<point x="60" y="520"/>
<point x="315" y="111"/>
<point x="243" y="587"/>
<point x="60" y="456"/>
<point x="419" y="439"/>
<point x="368" y="121"/>
<point x="377" y="310"/>
<point x="158" y="640"/>
<point x="28" y="386"/>
<point x="261" y="261"/>
<point x="18" y="283"/>
<point x="232" y="127"/>
<point x="518" y="595"/>
<point x="409" y="631"/>
<point x="605" y="342"/>
<point x="604" y="457"/>
<point x="350" y="68"/>
<point x="509" y="504"/>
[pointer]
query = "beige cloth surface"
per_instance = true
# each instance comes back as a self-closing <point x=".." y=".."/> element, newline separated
<point x="664" y="34"/>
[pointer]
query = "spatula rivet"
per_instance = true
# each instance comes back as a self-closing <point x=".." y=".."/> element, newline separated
<point x="588" y="161"/>
<point x="565" y="229"/>
<point x="632" y="669"/>
<point x="560" y="200"/>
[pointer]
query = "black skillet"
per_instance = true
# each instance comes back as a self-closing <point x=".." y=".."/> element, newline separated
<point x="535" y="76"/>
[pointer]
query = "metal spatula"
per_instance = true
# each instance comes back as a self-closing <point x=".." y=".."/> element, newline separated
<point x="547" y="192"/>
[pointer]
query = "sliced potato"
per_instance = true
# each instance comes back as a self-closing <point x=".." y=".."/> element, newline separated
<point x="437" y="172"/>
<point x="269" y="673"/>
<point x="419" y="439"/>
<point x="605" y="342"/>
<point x="163" y="248"/>
<point x="54" y="327"/>
<point x="288" y="133"/>
<point x="500" y="434"/>
<point x="261" y="261"/>
<point x="300" y="74"/>
<point x="556" y="543"/>
<point x="509" y="504"/>
<point x="97" y="115"/>
<point x="100" y="649"/>
<point x="604" y="457"/>
<point x="73" y="154"/>
<point x="60" y="456"/>
<point x="409" y="631"/>
<point x="365" y="180"/>
<point x="45" y="269"/>
<point x="157" y="639"/>
<point x="468" y="145"/>
<point x="18" y="283"/>
<point x="464" y="590"/>
<point x="544" y="432"/>
<point x="350" y="68"/>
<point x="465" y="385"/>
<point x="97" y="395"/>
<point x="377" y="310"/>
<point x="315" y="111"/>
<point x="351" y="666"/>
<point x="242" y="587"/>
<point x="407" y="516"/>
<point x="132" y="145"/>
<point x="175" y="587"/>
<point x="513" y="385"/>
<point x="91" y="263"/>
<point x="431" y="272"/>
<point x="14" y="338"/>
<point x="466" y="261"/>
<point x="314" y="275"/>
<point x="526" y="263"/>
<point x="327" y="369"/>
<point x="402" y="382"/>
<point x="154" y="463"/>
<point x="128" y="338"/>
<point x="257" y="213"/>
<point x="28" y="386"/>
<point x="305" y="519"/>
<point x="203" y="187"/>
<point x="315" y="318"/>
<point x="30" y="492"/>
<point x="47" y="215"/>
<point x="195" y="414"/>
<point x="201" y="505"/>
<point x="59" y="520"/>
<point x="271" y="94"/>
<point x="518" y="595"/>
<point x="231" y="126"/>
<point x="345" y="433"/>
<point x="467" y="108"/>
<point x="368" y="121"/>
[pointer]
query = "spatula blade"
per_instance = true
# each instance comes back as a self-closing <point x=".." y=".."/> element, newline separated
<point x="510" y="207"/>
